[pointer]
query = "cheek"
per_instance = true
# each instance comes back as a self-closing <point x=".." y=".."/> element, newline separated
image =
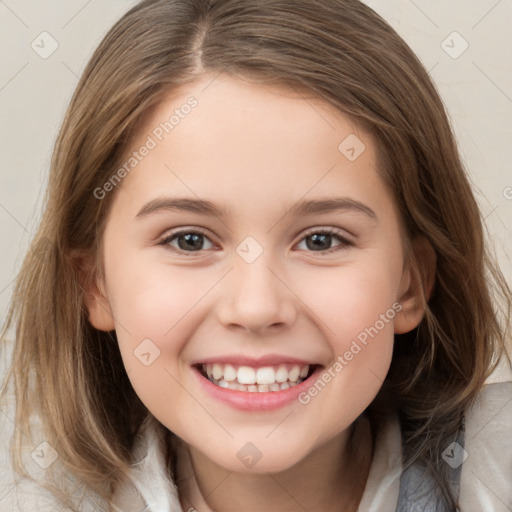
<point x="155" y="307"/>
<point x="165" y="304"/>
<point x="351" y="298"/>
<point x="150" y="299"/>
<point x="357" y="305"/>
<point x="359" y="328"/>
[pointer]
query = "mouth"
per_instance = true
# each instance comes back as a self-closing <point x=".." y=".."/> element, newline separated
<point x="248" y="379"/>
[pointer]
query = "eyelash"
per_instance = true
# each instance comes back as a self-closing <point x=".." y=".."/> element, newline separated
<point x="344" y="242"/>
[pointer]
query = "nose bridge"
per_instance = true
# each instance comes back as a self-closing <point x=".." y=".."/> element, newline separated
<point x="256" y="298"/>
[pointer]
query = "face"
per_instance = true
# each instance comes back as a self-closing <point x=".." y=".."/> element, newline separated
<point x="253" y="244"/>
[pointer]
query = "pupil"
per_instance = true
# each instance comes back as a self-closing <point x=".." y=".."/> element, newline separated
<point x="194" y="241"/>
<point x="322" y="241"/>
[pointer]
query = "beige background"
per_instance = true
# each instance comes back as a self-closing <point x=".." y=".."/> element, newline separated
<point x="34" y="92"/>
<point x="476" y="87"/>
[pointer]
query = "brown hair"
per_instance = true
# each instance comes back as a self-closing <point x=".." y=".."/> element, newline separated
<point x="341" y="51"/>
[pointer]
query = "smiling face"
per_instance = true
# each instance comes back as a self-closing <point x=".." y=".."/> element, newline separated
<point x="256" y="244"/>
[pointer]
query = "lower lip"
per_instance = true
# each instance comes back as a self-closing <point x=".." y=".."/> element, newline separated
<point x="256" y="401"/>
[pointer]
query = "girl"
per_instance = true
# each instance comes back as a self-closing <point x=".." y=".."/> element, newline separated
<point x="261" y="281"/>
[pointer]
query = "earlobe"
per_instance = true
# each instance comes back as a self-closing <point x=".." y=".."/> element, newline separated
<point x="95" y="297"/>
<point x="417" y="286"/>
<point x="98" y="307"/>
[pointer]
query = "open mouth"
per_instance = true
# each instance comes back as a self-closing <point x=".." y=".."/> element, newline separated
<point x="264" y="379"/>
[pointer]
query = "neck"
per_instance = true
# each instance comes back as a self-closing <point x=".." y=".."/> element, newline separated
<point x="331" y="479"/>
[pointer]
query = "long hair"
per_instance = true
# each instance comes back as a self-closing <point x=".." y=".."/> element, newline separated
<point x="343" y="52"/>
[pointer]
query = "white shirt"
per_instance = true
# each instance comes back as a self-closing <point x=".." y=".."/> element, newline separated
<point x="486" y="481"/>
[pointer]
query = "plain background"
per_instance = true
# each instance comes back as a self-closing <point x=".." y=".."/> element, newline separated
<point x="476" y="86"/>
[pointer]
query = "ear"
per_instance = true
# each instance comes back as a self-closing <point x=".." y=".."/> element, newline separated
<point x="95" y="296"/>
<point x="417" y="285"/>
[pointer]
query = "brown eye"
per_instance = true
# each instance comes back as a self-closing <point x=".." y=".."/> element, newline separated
<point x="321" y="241"/>
<point x="187" y="241"/>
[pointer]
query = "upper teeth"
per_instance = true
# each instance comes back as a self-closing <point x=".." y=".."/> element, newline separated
<point x="248" y="375"/>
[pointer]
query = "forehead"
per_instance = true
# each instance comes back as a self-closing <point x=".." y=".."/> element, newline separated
<point x="249" y="142"/>
<point x="223" y="105"/>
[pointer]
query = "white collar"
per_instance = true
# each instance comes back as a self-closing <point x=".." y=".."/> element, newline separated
<point x="150" y="486"/>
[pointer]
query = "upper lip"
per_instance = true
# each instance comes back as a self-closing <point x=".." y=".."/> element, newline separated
<point x="239" y="360"/>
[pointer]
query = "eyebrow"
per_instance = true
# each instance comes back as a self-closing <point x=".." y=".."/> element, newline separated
<point x="302" y="208"/>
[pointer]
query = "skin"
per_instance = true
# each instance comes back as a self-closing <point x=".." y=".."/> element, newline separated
<point x="255" y="151"/>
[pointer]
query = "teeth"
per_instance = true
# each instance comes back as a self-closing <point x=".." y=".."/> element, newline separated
<point x="266" y="375"/>
<point x="282" y="374"/>
<point x="293" y="374"/>
<point x="217" y="371"/>
<point x="229" y="373"/>
<point x="246" y="375"/>
<point x="262" y="380"/>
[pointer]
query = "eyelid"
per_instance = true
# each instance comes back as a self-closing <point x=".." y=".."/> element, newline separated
<point x="340" y="234"/>
<point x="329" y="230"/>
<point x="169" y="235"/>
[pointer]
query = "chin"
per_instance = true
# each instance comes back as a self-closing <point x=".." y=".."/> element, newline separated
<point x="250" y="459"/>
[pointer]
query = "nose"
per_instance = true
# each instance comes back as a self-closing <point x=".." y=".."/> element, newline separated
<point x="256" y="298"/>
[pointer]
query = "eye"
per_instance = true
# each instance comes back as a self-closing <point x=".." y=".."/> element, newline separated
<point x="321" y="241"/>
<point x="187" y="241"/>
